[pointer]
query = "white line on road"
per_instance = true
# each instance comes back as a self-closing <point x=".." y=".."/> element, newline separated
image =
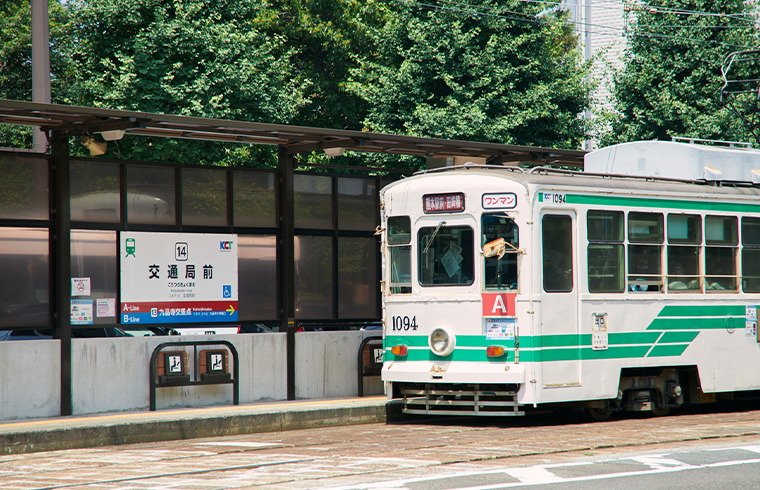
<point x="534" y="475"/>
<point x="540" y="474"/>
<point x="659" y="461"/>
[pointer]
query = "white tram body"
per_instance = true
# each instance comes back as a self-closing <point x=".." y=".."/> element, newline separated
<point x="632" y="285"/>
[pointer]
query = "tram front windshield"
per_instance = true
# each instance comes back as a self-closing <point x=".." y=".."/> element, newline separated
<point x="446" y="255"/>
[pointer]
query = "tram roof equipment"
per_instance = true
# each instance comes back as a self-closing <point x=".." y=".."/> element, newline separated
<point x="677" y="160"/>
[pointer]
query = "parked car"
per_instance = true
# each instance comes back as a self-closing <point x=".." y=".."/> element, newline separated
<point x="79" y="333"/>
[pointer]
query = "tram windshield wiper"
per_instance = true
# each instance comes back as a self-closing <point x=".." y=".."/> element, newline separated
<point x="432" y="237"/>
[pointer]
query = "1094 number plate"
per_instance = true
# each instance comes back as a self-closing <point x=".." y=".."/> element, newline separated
<point x="403" y="323"/>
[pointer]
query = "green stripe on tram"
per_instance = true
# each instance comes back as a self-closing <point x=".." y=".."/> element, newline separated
<point x="696" y="323"/>
<point x="462" y="341"/>
<point x="457" y="355"/>
<point x="677" y="337"/>
<point x="670" y="333"/>
<point x="561" y="340"/>
<point x="699" y="310"/>
<point x="596" y="200"/>
<point x="668" y="350"/>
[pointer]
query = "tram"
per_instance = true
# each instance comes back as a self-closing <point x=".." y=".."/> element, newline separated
<point x="631" y="285"/>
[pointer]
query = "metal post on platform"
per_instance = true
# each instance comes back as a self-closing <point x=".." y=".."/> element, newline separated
<point x="60" y="240"/>
<point x="40" y="63"/>
<point x="286" y="262"/>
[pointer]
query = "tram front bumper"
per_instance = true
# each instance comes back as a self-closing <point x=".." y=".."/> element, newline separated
<point x="453" y="372"/>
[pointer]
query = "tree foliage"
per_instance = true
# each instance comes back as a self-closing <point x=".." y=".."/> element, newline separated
<point x="494" y="72"/>
<point x="328" y="38"/>
<point x="16" y="59"/>
<point x="670" y="84"/>
<point x="187" y="57"/>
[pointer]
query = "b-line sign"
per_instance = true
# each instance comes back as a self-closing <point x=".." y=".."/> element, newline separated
<point x="178" y="278"/>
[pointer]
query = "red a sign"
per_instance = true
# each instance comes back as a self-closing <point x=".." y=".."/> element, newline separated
<point x="499" y="304"/>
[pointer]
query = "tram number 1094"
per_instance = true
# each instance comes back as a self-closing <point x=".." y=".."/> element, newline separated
<point x="403" y="323"/>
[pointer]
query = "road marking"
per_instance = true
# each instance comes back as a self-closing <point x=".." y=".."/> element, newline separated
<point x="658" y="461"/>
<point x="541" y="474"/>
<point x="754" y="449"/>
<point x="732" y="463"/>
<point x="534" y="475"/>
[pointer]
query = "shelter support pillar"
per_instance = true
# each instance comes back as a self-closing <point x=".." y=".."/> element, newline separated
<point x="286" y="262"/>
<point x="60" y="240"/>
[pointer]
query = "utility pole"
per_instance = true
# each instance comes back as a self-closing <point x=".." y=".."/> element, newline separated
<point x="40" y="63"/>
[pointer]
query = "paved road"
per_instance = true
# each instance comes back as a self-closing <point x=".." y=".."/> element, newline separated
<point x="714" y="449"/>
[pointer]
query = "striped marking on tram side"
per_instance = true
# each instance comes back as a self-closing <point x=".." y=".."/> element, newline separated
<point x="645" y="202"/>
<point x="668" y="335"/>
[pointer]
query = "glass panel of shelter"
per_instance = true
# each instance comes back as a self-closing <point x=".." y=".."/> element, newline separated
<point x="152" y="193"/>
<point x="24" y="188"/>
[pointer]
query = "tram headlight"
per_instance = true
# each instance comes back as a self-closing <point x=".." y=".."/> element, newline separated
<point x="441" y="342"/>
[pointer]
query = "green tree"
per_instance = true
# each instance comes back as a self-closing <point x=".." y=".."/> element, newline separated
<point x="16" y="59"/>
<point x="671" y="81"/>
<point x="492" y="72"/>
<point x="328" y="38"/>
<point x="187" y="57"/>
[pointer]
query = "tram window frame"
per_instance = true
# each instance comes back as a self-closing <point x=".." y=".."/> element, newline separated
<point x="550" y="267"/>
<point x="442" y="241"/>
<point x="684" y="249"/>
<point x="721" y="247"/>
<point x="750" y="254"/>
<point x="605" y="232"/>
<point x="505" y="262"/>
<point x="399" y="244"/>
<point x="644" y="246"/>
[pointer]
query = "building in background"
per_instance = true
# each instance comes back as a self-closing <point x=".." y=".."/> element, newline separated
<point x="601" y="26"/>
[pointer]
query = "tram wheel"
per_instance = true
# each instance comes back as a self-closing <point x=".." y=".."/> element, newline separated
<point x="598" y="414"/>
<point x="659" y="410"/>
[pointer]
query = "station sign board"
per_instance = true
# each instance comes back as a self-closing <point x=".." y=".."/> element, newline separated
<point x="178" y="278"/>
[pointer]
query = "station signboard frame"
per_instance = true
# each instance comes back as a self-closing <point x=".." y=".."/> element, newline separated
<point x="171" y="278"/>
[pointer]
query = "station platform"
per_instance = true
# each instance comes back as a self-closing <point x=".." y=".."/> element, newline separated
<point x="80" y="431"/>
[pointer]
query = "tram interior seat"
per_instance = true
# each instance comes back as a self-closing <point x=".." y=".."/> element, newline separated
<point x="715" y="286"/>
<point x="693" y="285"/>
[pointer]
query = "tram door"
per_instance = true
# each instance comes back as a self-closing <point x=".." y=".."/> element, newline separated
<point x="560" y="351"/>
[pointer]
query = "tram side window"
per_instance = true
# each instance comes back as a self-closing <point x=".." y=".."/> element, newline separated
<point x="400" y="249"/>
<point x="500" y="243"/>
<point x="684" y="233"/>
<point x="605" y="251"/>
<point x="646" y="232"/>
<point x="446" y="255"/>
<point x="751" y="255"/>
<point x="557" y="244"/>
<point x="721" y="246"/>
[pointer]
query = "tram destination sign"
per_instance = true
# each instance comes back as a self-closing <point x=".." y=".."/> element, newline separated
<point x="452" y="202"/>
<point x="178" y="278"/>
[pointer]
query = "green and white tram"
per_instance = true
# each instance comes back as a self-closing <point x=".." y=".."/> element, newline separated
<point x="632" y="285"/>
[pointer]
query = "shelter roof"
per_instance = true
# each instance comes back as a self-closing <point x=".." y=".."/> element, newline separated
<point x="77" y="121"/>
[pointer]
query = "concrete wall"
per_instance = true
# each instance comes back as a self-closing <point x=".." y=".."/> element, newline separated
<point x="29" y="382"/>
<point x="112" y="374"/>
<point x="327" y="363"/>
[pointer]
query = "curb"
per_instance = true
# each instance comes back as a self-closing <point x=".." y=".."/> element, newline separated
<point x="146" y="431"/>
